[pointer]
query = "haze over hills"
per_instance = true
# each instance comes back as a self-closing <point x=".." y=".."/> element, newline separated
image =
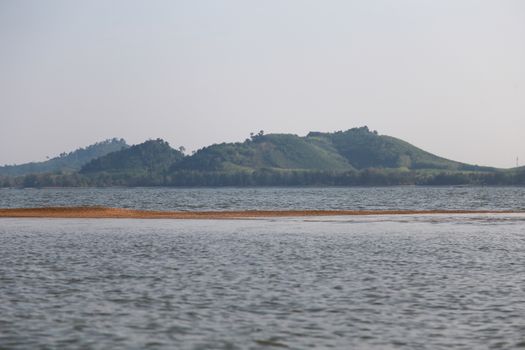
<point x="356" y="156"/>
<point x="66" y="162"/>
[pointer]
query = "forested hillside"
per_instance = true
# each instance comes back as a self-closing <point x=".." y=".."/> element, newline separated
<point x="355" y="157"/>
<point x="152" y="156"/>
<point x="66" y="162"/>
<point x="274" y="151"/>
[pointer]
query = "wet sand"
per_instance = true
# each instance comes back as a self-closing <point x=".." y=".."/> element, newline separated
<point x="115" y="213"/>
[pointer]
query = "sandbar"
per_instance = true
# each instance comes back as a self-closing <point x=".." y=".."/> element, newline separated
<point x="117" y="213"/>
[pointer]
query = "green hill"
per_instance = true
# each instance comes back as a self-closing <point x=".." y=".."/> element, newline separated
<point x="273" y="151"/>
<point x="66" y="162"/>
<point x="353" y="157"/>
<point x="153" y="156"/>
<point x="357" y="148"/>
<point x="366" y="149"/>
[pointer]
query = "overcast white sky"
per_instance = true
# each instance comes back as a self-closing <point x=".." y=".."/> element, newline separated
<point x="445" y="75"/>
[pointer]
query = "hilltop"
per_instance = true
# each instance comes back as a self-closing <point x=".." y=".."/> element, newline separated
<point x="367" y="149"/>
<point x="152" y="156"/>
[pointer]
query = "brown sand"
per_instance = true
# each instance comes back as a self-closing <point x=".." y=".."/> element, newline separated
<point x="103" y="212"/>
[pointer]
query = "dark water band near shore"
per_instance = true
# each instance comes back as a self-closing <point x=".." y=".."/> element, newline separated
<point x="115" y="213"/>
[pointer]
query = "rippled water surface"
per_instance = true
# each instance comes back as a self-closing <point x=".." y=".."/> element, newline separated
<point x="416" y="282"/>
<point x="396" y="198"/>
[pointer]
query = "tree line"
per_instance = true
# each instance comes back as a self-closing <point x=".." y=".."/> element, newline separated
<point x="267" y="177"/>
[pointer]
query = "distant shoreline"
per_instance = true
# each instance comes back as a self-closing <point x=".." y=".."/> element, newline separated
<point x="121" y="213"/>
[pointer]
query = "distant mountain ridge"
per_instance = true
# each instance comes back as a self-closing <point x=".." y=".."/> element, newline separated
<point x="357" y="156"/>
<point x="353" y="149"/>
<point x="66" y="162"/>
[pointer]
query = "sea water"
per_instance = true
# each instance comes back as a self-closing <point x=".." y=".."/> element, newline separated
<point x="374" y="282"/>
<point x="273" y="198"/>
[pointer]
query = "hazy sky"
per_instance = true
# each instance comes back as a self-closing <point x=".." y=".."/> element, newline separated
<point x="445" y="75"/>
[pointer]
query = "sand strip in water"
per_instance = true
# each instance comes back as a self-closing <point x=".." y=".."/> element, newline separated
<point x="103" y="212"/>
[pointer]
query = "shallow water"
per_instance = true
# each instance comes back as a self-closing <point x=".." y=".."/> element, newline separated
<point x="273" y="198"/>
<point x="418" y="282"/>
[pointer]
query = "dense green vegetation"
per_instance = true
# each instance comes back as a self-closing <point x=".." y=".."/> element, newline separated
<point x="148" y="158"/>
<point x="365" y="149"/>
<point x="357" y="148"/>
<point x="356" y="157"/>
<point x="275" y="151"/>
<point x="269" y="177"/>
<point x="66" y="162"/>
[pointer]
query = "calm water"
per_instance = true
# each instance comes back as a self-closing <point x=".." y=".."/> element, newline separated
<point x="415" y="282"/>
<point x="486" y="198"/>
